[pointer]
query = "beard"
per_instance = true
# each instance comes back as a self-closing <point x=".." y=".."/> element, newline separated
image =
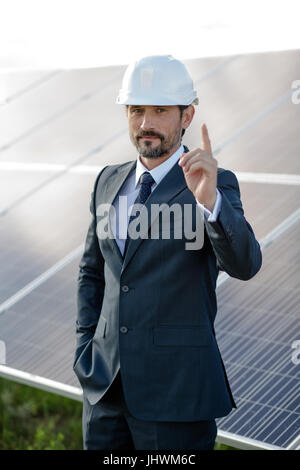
<point x="148" y="150"/>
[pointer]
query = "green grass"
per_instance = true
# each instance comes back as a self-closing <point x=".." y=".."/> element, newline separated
<point x="31" y="419"/>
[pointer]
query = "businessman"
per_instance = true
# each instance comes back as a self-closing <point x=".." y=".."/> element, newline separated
<point x="146" y="356"/>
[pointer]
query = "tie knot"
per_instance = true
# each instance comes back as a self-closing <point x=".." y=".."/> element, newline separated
<point x="146" y="178"/>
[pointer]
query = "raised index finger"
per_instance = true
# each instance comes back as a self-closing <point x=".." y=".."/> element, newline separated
<point x="205" y="140"/>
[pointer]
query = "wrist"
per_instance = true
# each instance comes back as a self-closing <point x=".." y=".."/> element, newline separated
<point x="208" y="204"/>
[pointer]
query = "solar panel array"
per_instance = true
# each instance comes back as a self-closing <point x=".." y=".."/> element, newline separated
<point x="59" y="128"/>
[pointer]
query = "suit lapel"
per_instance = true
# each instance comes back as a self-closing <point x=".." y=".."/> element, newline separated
<point x="111" y="189"/>
<point x="169" y="187"/>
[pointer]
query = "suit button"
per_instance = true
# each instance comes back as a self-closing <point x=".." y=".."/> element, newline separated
<point x="123" y="329"/>
<point x="125" y="288"/>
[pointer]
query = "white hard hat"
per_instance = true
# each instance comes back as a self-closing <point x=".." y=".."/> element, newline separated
<point x="159" y="81"/>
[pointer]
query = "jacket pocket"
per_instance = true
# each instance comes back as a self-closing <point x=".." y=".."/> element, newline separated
<point x="80" y="351"/>
<point x="196" y="336"/>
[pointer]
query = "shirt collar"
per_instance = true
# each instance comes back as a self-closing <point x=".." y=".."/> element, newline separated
<point x="159" y="171"/>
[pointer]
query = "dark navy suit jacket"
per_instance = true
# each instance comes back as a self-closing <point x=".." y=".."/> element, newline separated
<point x="152" y="314"/>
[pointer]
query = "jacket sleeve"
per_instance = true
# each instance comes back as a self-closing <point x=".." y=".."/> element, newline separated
<point x="90" y="285"/>
<point x="233" y="241"/>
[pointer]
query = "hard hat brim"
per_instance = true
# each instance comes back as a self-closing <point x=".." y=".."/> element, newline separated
<point x="154" y="101"/>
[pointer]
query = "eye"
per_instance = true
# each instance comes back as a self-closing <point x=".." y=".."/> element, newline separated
<point x="136" y="110"/>
<point x="160" y="110"/>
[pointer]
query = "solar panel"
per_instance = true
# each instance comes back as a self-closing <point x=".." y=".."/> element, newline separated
<point x="42" y="230"/>
<point x="280" y="148"/>
<point x="39" y="329"/>
<point x="51" y="101"/>
<point x="267" y="205"/>
<point x="253" y="124"/>
<point x="256" y="328"/>
<point x="16" y="85"/>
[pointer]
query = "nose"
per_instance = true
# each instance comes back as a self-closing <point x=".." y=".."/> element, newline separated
<point x="147" y="121"/>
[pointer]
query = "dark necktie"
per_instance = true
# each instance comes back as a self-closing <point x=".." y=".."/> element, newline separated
<point x="144" y="192"/>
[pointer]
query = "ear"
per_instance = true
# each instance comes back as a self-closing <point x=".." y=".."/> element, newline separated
<point x="187" y="116"/>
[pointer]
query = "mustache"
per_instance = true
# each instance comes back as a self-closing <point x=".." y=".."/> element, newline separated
<point x="150" y="134"/>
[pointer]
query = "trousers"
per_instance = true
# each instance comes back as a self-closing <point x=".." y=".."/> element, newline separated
<point x="108" y="425"/>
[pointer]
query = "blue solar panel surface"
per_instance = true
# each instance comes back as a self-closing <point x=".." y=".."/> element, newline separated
<point x="257" y="327"/>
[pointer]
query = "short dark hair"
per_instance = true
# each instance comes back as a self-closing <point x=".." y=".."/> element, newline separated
<point x="182" y="107"/>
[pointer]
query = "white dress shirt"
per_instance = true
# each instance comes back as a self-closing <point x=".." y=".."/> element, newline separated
<point x="120" y="218"/>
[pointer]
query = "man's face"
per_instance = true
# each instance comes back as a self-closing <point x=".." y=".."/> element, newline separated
<point x="154" y="130"/>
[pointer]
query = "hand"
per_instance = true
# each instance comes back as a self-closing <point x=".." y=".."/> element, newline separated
<point x="200" y="170"/>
